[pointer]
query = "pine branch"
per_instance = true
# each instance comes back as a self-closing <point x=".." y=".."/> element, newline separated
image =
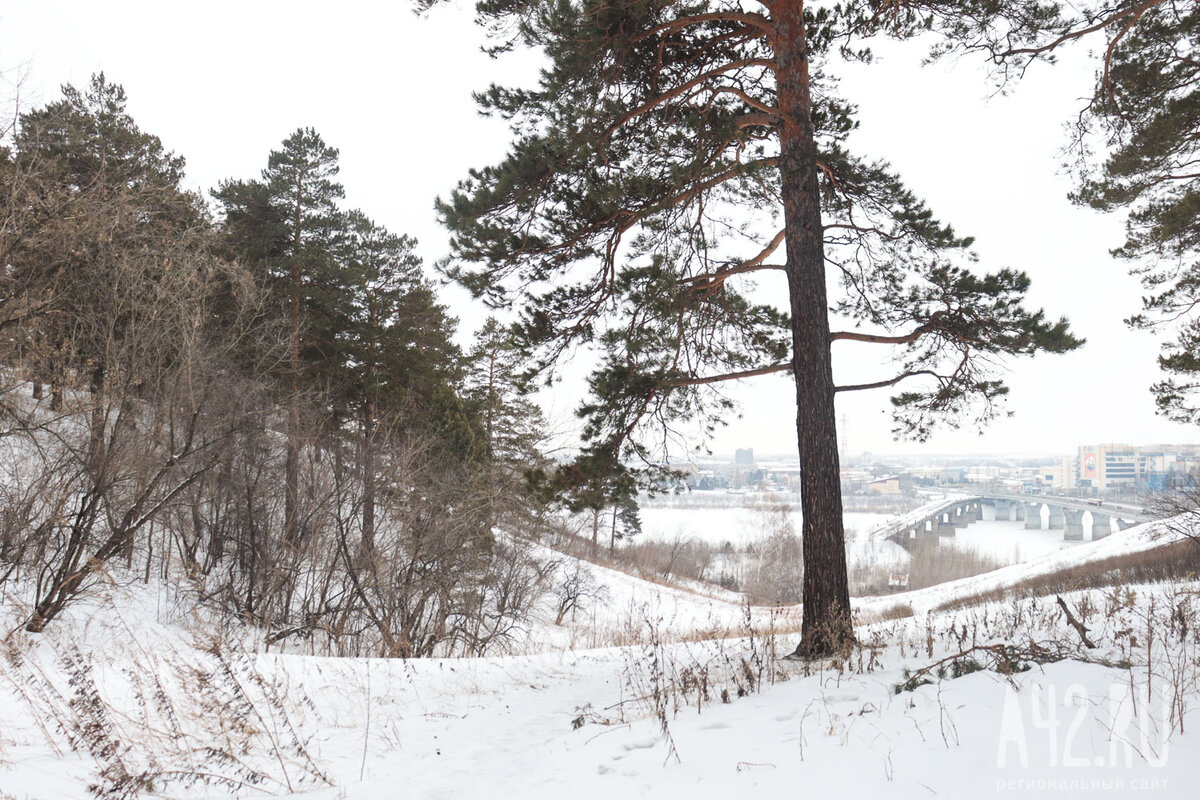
<point x="858" y="387"/>
<point x="731" y="376"/>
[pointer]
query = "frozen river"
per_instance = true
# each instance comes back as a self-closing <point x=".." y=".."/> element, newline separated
<point x="1007" y="542"/>
<point x="737" y="526"/>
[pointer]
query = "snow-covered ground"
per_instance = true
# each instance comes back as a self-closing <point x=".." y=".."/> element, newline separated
<point x="137" y="691"/>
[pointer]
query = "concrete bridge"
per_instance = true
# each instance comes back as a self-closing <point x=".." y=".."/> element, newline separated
<point x="943" y="518"/>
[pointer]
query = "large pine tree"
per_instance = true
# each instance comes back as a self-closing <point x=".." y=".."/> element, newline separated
<point x="367" y="339"/>
<point x="671" y="150"/>
<point x="94" y="188"/>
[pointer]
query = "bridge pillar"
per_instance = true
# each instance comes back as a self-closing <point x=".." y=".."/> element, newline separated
<point x="972" y="512"/>
<point x="1056" y="521"/>
<point x="1033" y="516"/>
<point x="1122" y="525"/>
<point x="1074" y="527"/>
<point x="1018" y="511"/>
<point x="1004" y="511"/>
<point x="922" y="530"/>
<point x="1101" y="525"/>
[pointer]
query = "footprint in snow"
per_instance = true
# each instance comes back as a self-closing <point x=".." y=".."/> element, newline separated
<point x="645" y="744"/>
<point x="842" y="698"/>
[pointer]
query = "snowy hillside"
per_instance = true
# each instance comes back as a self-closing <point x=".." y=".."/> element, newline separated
<point x="140" y="692"/>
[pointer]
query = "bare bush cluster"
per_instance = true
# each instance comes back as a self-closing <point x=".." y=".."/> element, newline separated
<point x="930" y="563"/>
<point x="679" y="557"/>
<point x="1179" y="561"/>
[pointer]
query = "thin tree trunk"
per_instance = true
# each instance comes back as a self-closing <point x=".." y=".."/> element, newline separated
<point x="368" y="514"/>
<point x="826" y="624"/>
<point x="291" y="527"/>
<point x="612" y="539"/>
<point x="491" y="405"/>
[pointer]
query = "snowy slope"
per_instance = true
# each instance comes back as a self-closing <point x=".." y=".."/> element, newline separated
<point x="1132" y="540"/>
<point x="135" y="691"/>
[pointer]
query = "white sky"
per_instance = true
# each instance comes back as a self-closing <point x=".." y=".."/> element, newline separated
<point x="223" y="83"/>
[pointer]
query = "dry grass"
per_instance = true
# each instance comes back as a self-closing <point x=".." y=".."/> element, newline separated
<point x="887" y="614"/>
<point x="931" y="563"/>
<point x="1172" y="562"/>
<point x="649" y="561"/>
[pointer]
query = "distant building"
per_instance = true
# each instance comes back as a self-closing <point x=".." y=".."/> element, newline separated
<point x="952" y="475"/>
<point x="888" y="485"/>
<point x="1117" y="467"/>
<point x="1059" y="477"/>
<point x="743" y="456"/>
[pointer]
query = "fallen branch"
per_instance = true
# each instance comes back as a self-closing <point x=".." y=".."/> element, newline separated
<point x="1005" y="659"/>
<point x="1076" y="624"/>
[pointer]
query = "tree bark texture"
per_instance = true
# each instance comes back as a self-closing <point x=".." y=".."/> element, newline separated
<point x="826" y="624"/>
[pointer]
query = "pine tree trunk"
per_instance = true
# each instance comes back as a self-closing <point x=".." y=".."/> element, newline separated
<point x="826" y="625"/>
<point x="291" y="526"/>
<point x="612" y="539"/>
<point x="368" y="515"/>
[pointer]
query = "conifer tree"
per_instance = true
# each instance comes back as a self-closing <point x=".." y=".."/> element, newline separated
<point x="390" y="338"/>
<point x="1146" y="103"/>
<point x="671" y="150"/>
<point x="512" y="423"/>
<point x="288" y="224"/>
<point x="109" y="282"/>
<point x="513" y="427"/>
<point x="96" y="188"/>
<point x="1143" y="112"/>
<point x="363" y="324"/>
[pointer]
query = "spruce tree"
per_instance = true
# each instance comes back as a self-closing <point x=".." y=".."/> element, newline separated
<point x="513" y="427"/>
<point x="673" y="149"/>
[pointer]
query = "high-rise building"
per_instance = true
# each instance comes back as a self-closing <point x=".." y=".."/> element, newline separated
<point x="744" y="456"/>
<point x="1109" y="467"/>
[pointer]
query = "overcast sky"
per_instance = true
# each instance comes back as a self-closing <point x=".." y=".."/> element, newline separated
<point x="223" y="83"/>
